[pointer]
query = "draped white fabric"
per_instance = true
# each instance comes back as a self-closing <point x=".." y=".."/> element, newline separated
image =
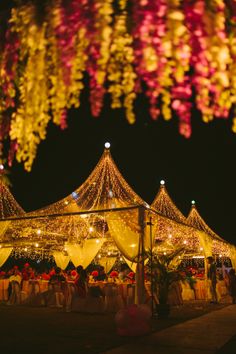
<point x="3" y="227"/>
<point x="206" y="243"/>
<point x="107" y="263"/>
<point x="61" y="260"/>
<point x="233" y="256"/>
<point x="83" y="254"/>
<point x="133" y="265"/>
<point x="126" y="239"/>
<point x="4" y="254"/>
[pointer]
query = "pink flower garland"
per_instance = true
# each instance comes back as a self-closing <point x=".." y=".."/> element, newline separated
<point x="97" y="91"/>
<point x="199" y="61"/>
<point x="149" y="29"/>
<point x="70" y="22"/>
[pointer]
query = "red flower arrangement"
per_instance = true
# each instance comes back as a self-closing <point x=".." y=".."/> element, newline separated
<point x="45" y="276"/>
<point x="94" y="273"/>
<point x="114" y="274"/>
<point x="131" y="275"/>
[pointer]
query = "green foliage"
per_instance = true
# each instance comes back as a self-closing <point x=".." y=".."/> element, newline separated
<point x="164" y="270"/>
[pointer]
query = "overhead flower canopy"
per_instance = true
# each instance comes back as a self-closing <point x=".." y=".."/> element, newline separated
<point x="180" y="54"/>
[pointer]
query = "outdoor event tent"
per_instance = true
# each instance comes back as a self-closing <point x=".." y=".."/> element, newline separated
<point x="8" y="208"/>
<point x="212" y="243"/>
<point x="171" y="228"/>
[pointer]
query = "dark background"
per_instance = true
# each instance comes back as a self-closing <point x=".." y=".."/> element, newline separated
<point x="200" y="168"/>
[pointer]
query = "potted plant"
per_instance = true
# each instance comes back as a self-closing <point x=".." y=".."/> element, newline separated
<point x="164" y="271"/>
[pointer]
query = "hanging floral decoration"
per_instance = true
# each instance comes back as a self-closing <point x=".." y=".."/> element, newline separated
<point x="179" y="53"/>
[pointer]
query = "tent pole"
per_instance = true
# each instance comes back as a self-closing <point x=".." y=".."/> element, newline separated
<point x="140" y="292"/>
<point x="151" y="264"/>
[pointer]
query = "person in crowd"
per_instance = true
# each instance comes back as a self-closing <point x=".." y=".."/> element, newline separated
<point x="232" y="285"/>
<point x="16" y="276"/>
<point x="101" y="274"/>
<point x="58" y="276"/>
<point x="123" y="273"/>
<point x="26" y="272"/>
<point x="81" y="282"/>
<point x="211" y="275"/>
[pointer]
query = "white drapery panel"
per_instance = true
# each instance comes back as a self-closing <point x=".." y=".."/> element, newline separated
<point x="233" y="256"/>
<point x="133" y="265"/>
<point x="107" y="263"/>
<point x="61" y="260"/>
<point x="126" y="239"/>
<point x="4" y="254"/>
<point x="84" y="253"/>
<point x="206" y="243"/>
<point x="3" y="227"/>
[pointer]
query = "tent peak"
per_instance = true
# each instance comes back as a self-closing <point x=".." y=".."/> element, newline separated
<point x="107" y="145"/>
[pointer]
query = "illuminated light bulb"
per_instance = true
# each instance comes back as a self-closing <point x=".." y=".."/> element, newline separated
<point x="147" y="205"/>
<point x="193" y="202"/>
<point x="109" y="253"/>
<point x="1" y="166"/>
<point x="0" y="246"/>
<point x="220" y="255"/>
<point x="170" y="236"/>
<point x="65" y="249"/>
<point x="107" y="145"/>
<point x="97" y="241"/>
<point x="110" y="193"/>
<point x="83" y="216"/>
<point x="179" y="257"/>
<point x="91" y="229"/>
<point x="39" y="232"/>
<point x="164" y="253"/>
<point x="121" y="259"/>
<point x="66" y="202"/>
<point x="201" y="249"/>
<point x="133" y="245"/>
<point x="75" y="195"/>
<point x="185" y="242"/>
<point x="25" y="249"/>
<point x="99" y="256"/>
<point x="36" y="245"/>
<point x="162" y="182"/>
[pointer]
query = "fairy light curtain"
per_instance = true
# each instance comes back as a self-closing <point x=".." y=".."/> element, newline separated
<point x="210" y="241"/>
<point x="171" y="227"/>
<point x="8" y="207"/>
<point x="165" y="49"/>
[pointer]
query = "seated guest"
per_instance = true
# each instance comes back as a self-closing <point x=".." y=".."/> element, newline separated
<point x="16" y="276"/>
<point x="81" y="281"/>
<point x="101" y="274"/>
<point x="58" y="276"/>
<point x="26" y="272"/>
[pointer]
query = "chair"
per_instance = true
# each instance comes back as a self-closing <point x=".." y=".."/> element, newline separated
<point x="113" y="300"/>
<point x="94" y="300"/>
<point x="130" y="294"/>
<point x="56" y="297"/>
<point x="15" y="298"/>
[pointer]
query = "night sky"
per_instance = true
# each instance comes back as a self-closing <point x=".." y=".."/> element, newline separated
<point x="200" y="168"/>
